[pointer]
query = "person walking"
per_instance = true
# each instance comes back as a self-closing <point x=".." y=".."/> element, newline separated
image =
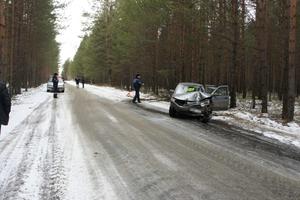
<point x="137" y="84"/>
<point x="5" y="104"/>
<point x="55" y="84"/>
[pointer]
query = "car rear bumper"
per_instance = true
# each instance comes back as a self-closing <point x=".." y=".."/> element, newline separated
<point x="59" y="89"/>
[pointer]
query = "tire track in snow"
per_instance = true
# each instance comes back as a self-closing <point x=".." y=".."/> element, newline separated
<point x="16" y="152"/>
<point x="54" y="173"/>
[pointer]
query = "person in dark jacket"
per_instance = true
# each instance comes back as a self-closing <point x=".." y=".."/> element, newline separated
<point x="77" y="80"/>
<point x="137" y="84"/>
<point x="5" y="104"/>
<point x="55" y="84"/>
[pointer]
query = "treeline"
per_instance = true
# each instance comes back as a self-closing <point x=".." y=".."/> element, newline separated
<point x="251" y="45"/>
<point x="28" y="49"/>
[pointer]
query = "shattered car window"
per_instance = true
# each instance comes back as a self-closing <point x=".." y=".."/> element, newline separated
<point x="210" y="89"/>
<point x="183" y="89"/>
<point x="222" y="92"/>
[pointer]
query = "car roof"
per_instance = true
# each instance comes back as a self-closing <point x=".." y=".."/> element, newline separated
<point x="212" y="87"/>
<point x="190" y="83"/>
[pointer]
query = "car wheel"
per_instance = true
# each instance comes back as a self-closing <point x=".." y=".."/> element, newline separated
<point x="172" y="112"/>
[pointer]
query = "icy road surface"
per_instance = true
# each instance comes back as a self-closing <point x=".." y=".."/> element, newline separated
<point x="84" y="147"/>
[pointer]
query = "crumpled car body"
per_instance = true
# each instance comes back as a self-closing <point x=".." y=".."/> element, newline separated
<point x="191" y="99"/>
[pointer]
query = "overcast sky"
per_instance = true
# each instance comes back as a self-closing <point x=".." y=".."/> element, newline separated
<point x="70" y="36"/>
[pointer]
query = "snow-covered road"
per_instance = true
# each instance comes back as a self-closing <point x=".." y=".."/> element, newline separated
<point x="43" y="157"/>
<point x="85" y="147"/>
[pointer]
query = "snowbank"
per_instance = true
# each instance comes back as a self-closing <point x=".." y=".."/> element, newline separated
<point x="286" y="133"/>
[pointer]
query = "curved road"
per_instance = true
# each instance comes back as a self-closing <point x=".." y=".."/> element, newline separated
<point x="81" y="146"/>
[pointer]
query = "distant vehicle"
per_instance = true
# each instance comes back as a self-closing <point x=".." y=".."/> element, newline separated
<point x="61" y="85"/>
<point x="191" y="99"/>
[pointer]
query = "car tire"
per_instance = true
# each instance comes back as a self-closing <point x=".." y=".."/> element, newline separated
<point x="172" y="112"/>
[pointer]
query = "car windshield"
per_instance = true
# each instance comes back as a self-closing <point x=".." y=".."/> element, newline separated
<point x="183" y="89"/>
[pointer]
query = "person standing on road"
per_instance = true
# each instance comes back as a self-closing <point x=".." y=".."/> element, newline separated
<point x="5" y="104"/>
<point x="55" y="84"/>
<point x="137" y="84"/>
<point x="77" y="82"/>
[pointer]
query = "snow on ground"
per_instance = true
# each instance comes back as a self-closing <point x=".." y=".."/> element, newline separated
<point x="163" y="105"/>
<point x="42" y="155"/>
<point x="269" y="125"/>
<point x="23" y="105"/>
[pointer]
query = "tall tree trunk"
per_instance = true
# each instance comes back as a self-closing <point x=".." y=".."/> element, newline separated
<point x="235" y="41"/>
<point x="243" y="51"/>
<point x="289" y="100"/>
<point x="12" y="47"/>
<point x="2" y="35"/>
<point x="261" y="38"/>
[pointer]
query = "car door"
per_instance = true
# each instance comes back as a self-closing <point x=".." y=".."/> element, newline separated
<point x="220" y="98"/>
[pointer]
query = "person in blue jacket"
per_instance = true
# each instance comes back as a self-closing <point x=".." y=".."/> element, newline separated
<point x="137" y="84"/>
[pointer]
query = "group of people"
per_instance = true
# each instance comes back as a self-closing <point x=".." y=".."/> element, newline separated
<point x="5" y="104"/>
<point x="78" y="80"/>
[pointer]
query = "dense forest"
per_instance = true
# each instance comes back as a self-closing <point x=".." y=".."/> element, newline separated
<point x="251" y="45"/>
<point x="29" y="52"/>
